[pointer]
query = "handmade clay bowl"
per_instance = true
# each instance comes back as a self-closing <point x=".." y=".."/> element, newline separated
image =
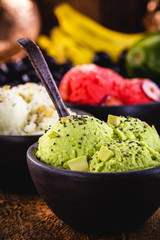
<point x="14" y="174"/>
<point x="97" y="203"/>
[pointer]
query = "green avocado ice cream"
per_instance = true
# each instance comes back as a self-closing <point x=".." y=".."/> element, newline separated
<point x="134" y="129"/>
<point x="85" y="143"/>
<point x="124" y="155"/>
<point x="71" y="138"/>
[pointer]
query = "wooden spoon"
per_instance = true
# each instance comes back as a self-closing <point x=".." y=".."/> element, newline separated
<point x="42" y="69"/>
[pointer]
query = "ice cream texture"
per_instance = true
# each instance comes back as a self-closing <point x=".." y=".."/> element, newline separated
<point x="85" y="143"/>
<point x="72" y="138"/>
<point x="94" y="85"/>
<point x="126" y="156"/>
<point x="26" y="109"/>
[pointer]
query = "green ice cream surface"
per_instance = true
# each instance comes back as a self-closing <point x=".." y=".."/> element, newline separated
<point x="128" y="144"/>
<point x="134" y="129"/>
<point x="127" y="156"/>
<point x="82" y="135"/>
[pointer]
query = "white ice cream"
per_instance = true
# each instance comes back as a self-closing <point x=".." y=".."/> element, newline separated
<point x="26" y="110"/>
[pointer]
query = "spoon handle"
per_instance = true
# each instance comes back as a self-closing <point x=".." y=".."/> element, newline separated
<point x="41" y="67"/>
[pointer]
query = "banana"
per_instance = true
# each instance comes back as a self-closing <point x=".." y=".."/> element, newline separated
<point x="67" y="13"/>
<point x="93" y="35"/>
<point x="78" y="37"/>
<point x="64" y="47"/>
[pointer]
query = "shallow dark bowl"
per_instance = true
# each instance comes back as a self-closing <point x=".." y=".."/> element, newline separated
<point x="149" y="112"/>
<point x="14" y="174"/>
<point x="97" y="203"/>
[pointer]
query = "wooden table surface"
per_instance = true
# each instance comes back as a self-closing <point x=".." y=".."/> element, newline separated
<point x="26" y="216"/>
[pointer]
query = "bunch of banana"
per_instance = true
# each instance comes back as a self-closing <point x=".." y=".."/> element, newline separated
<point x="71" y="49"/>
<point x="78" y="37"/>
<point x="64" y="47"/>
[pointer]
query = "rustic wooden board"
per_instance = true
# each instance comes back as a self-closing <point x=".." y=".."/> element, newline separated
<point x="26" y="216"/>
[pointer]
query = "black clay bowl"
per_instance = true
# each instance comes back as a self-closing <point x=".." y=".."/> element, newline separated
<point x="149" y="112"/>
<point x="97" y="203"/>
<point x="14" y="174"/>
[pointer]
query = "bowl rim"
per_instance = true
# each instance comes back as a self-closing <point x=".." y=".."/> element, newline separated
<point x="30" y="157"/>
<point x="68" y="104"/>
<point x="6" y="136"/>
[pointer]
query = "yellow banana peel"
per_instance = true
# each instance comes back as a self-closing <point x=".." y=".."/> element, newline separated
<point x="71" y="16"/>
<point x="63" y="47"/>
<point x="86" y="30"/>
<point x="78" y="37"/>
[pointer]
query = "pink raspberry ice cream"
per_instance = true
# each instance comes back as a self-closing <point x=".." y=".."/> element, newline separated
<point x="94" y="85"/>
<point x="89" y="84"/>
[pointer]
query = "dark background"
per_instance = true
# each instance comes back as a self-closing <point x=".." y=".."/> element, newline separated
<point x="122" y="15"/>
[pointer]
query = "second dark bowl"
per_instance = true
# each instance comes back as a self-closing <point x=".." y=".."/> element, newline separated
<point x="14" y="174"/>
<point x="97" y="203"/>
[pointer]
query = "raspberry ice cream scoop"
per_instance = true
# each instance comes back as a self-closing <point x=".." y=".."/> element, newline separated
<point x="94" y="85"/>
<point x="138" y="91"/>
<point x="89" y="84"/>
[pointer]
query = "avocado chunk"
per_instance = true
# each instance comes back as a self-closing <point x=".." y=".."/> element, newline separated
<point x="153" y="127"/>
<point x="105" y="154"/>
<point x="63" y="119"/>
<point x="78" y="164"/>
<point x="53" y="134"/>
<point x="114" y="120"/>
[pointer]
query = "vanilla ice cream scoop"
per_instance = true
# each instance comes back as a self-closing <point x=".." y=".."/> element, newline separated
<point x="13" y="112"/>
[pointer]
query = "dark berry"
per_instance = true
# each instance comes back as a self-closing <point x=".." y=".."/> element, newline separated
<point x="30" y="76"/>
<point x="102" y="59"/>
<point x="4" y="68"/>
<point x="26" y="63"/>
<point x="65" y="67"/>
<point x="25" y="78"/>
<point x="22" y="66"/>
<point x="13" y="68"/>
<point x="57" y="77"/>
<point x="116" y="69"/>
<point x="59" y="70"/>
<point x="3" y="79"/>
<point x="121" y="63"/>
<point x="50" y="60"/>
<point x="22" y="71"/>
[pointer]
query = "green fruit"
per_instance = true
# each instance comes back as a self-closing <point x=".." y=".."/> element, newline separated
<point x="114" y="120"/>
<point x="143" y="59"/>
<point x="105" y="154"/>
<point x="78" y="164"/>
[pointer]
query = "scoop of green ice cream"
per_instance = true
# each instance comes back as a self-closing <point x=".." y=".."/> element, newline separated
<point x="134" y="129"/>
<point x="124" y="155"/>
<point x="85" y="143"/>
<point x="71" y="138"/>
